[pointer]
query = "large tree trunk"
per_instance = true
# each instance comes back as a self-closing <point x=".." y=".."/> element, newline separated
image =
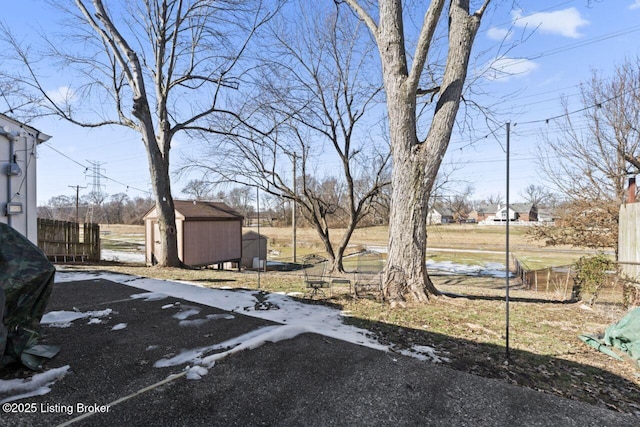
<point x="416" y="163"/>
<point x="406" y="273"/>
<point x="161" y="183"/>
<point x="166" y="214"/>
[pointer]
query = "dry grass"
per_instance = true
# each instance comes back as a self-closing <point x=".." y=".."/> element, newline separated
<point x="469" y="326"/>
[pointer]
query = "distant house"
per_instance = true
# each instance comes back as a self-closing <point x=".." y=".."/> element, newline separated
<point x="524" y="212"/>
<point x="484" y="212"/>
<point x="18" y="199"/>
<point x="546" y="215"/>
<point x="439" y="215"/>
<point x="208" y="233"/>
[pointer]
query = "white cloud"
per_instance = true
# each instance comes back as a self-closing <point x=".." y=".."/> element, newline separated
<point x="635" y="5"/>
<point x="506" y="68"/>
<point x="566" y="22"/>
<point x="495" y="33"/>
<point x="62" y="95"/>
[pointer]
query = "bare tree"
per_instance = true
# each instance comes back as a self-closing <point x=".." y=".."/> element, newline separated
<point x="416" y="160"/>
<point x="115" y="209"/>
<point x="241" y="198"/>
<point x="591" y="155"/>
<point x="495" y="199"/>
<point x="535" y="194"/>
<point x="61" y="208"/>
<point x="318" y="91"/>
<point x="200" y="190"/>
<point x="15" y="101"/>
<point x="161" y="66"/>
<point x="136" y="210"/>
<point x="460" y="203"/>
<point x="274" y="209"/>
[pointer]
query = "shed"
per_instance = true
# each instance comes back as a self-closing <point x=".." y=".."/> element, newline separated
<point x="208" y="233"/>
<point x="254" y="246"/>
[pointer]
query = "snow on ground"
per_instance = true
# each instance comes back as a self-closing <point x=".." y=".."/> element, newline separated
<point x="37" y="385"/>
<point x="63" y="319"/>
<point x="119" y="326"/>
<point x="294" y="318"/>
<point x="282" y="308"/>
<point x="491" y="269"/>
<point x="121" y="256"/>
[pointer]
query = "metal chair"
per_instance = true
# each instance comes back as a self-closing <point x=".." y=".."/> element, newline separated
<point x="368" y="275"/>
<point x="314" y="278"/>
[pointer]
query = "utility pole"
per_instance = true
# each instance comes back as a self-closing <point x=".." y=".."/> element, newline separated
<point x="77" y="187"/>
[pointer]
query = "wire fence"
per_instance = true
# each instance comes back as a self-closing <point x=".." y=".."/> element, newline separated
<point x="551" y="279"/>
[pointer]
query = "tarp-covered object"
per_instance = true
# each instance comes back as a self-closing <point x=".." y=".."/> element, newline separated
<point x="623" y="335"/>
<point x="26" y="282"/>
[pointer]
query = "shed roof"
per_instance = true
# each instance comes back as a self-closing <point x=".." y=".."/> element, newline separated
<point x="252" y="235"/>
<point x="192" y="209"/>
<point x="201" y="211"/>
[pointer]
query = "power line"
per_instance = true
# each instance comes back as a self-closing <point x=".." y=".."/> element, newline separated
<point x="596" y="104"/>
<point x="86" y="169"/>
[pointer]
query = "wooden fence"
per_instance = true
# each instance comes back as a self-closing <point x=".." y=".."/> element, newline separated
<point x="629" y="252"/>
<point x="63" y="241"/>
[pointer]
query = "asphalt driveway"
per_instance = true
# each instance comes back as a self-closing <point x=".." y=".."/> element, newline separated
<point x="114" y="374"/>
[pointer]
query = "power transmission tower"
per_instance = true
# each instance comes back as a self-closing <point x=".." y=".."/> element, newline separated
<point x="96" y="174"/>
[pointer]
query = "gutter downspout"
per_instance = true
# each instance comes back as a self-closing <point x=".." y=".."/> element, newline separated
<point x="11" y="136"/>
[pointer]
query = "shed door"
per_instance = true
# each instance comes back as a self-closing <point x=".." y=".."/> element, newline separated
<point x="157" y="246"/>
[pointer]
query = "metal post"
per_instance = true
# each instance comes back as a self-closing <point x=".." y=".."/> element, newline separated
<point x="293" y="211"/>
<point x="507" y="247"/>
<point x="259" y="245"/>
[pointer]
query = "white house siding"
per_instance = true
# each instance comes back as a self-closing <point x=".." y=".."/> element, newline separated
<point x="18" y="146"/>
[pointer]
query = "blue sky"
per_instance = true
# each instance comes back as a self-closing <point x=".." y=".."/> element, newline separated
<point x="571" y="38"/>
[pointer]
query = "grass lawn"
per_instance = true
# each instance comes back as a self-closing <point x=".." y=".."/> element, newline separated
<point x="469" y="325"/>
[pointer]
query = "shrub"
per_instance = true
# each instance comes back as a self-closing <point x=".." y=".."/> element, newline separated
<point x="591" y="274"/>
<point x="631" y="295"/>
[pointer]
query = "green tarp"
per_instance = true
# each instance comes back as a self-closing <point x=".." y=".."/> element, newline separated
<point x="26" y="282"/>
<point x="623" y="336"/>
